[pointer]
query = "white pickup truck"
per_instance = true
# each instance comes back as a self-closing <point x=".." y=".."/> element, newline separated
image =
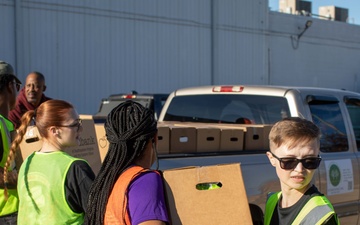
<point x="336" y="112"/>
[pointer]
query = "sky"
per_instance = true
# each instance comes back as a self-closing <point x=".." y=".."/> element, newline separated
<point x="352" y="5"/>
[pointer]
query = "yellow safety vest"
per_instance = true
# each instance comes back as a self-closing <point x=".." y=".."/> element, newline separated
<point x="315" y="211"/>
<point x="10" y="205"/>
<point x="41" y="185"/>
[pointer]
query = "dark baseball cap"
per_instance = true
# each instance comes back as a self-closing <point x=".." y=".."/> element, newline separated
<point x="7" y="69"/>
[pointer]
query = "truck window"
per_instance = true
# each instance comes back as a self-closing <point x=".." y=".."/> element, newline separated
<point x="222" y="108"/>
<point x="106" y="107"/>
<point x="327" y="116"/>
<point x="353" y="107"/>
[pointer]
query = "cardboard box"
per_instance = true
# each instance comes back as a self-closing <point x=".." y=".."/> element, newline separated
<point x="225" y="205"/>
<point x="88" y="148"/>
<point x="208" y="139"/>
<point x="103" y="143"/>
<point x="231" y="136"/>
<point x="182" y="140"/>
<point x="257" y="137"/>
<point x="231" y="139"/>
<point x="163" y="145"/>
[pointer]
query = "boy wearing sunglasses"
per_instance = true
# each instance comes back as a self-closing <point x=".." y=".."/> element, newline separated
<point x="294" y="152"/>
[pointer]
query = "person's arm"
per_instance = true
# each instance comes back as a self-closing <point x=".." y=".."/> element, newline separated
<point x="12" y="175"/>
<point x="146" y="200"/>
<point x="77" y="185"/>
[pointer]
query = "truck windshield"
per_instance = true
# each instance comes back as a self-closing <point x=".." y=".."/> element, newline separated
<point x="233" y="109"/>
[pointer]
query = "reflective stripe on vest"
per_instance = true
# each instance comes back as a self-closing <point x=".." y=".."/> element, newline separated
<point x="116" y="208"/>
<point x="315" y="211"/>
<point x="10" y="205"/>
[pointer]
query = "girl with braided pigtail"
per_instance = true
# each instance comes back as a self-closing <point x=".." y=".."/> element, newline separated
<point x="125" y="190"/>
<point x="52" y="185"/>
<point x="15" y="144"/>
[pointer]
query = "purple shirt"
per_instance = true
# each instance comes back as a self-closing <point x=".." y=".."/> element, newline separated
<point x="146" y="200"/>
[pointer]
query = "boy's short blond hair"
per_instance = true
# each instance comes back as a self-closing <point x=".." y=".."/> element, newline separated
<point x="293" y="131"/>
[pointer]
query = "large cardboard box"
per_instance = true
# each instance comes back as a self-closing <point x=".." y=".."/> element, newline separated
<point x="163" y="145"/>
<point x="231" y="139"/>
<point x="182" y="139"/>
<point x="208" y="139"/>
<point x="103" y="143"/>
<point x="88" y="148"/>
<point x="257" y="137"/>
<point x="189" y="205"/>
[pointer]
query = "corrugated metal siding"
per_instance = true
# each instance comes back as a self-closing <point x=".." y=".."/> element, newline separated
<point x="327" y="55"/>
<point x="241" y="26"/>
<point x="90" y="49"/>
<point x="7" y="36"/>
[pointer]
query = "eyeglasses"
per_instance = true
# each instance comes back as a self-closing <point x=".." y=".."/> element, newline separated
<point x="18" y="85"/>
<point x="77" y="124"/>
<point x="309" y="163"/>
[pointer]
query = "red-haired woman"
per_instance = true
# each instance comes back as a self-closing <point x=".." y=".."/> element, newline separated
<point x="52" y="185"/>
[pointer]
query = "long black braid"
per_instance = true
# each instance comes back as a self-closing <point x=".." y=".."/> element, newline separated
<point x="128" y="128"/>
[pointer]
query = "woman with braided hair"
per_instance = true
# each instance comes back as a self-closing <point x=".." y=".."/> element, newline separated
<point x="52" y="185"/>
<point x="126" y="191"/>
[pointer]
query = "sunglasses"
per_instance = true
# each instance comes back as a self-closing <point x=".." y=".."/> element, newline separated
<point x="309" y="163"/>
<point x="77" y="124"/>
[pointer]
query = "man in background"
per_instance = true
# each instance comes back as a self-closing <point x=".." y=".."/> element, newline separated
<point x="30" y="97"/>
<point x="9" y="87"/>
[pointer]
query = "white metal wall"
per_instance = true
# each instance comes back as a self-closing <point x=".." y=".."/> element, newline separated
<point x="241" y="50"/>
<point x="7" y="34"/>
<point x="90" y="49"/>
<point x="327" y="55"/>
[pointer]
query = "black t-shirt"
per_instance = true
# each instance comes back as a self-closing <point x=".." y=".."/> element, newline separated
<point x="285" y="216"/>
<point x="77" y="185"/>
